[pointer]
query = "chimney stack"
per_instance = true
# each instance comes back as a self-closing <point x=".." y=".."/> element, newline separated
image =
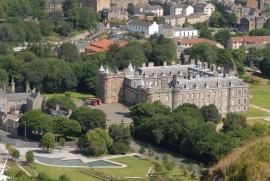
<point x="12" y="85"/>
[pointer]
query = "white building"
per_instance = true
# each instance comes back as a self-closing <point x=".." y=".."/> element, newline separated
<point x="185" y="32"/>
<point x="157" y="10"/>
<point x="147" y="28"/>
<point x="181" y="9"/>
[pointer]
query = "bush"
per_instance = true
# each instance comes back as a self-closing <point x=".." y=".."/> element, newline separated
<point x="119" y="148"/>
<point x="29" y="157"/>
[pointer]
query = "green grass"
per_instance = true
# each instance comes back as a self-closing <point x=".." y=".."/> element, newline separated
<point x="73" y="95"/>
<point x="30" y="170"/>
<point x="252" y="112"/>
<point x="12" y="168"/>
<point x="260" y="95"/>
<point x="136" y="167"/>
<point x="54" y="172"/>
<point x="252" y="122"/>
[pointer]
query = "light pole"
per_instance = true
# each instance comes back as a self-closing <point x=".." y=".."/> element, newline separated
<point x="25" y="133"/>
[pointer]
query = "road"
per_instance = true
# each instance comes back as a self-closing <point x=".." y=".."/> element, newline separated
<point x="15" y="140"/>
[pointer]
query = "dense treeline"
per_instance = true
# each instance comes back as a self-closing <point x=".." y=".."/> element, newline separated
<point x="191" y="131"/>
<point x="28" y="20"/>
<point x="64" y="69"/>
<point x="251" y="58"/>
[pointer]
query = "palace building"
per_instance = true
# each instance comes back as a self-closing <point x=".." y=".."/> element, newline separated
<point x="173" y="85"/>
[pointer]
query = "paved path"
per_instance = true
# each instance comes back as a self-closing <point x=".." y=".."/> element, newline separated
<point x="25" y="171"/>
<point x="260" y="108"/>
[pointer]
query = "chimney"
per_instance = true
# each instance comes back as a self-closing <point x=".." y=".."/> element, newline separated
<point x="205" y="64"/>
<point x="213" y="67"/>
<point x="190" y="75"/>
<point x="164" y="63"/>
<point x="192" y="61"/>
<point x="27" y="86"/>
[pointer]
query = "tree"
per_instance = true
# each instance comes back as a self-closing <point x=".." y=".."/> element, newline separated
<point x="64" y="178"/>
<point x="163" y="50"/>
<point x="264" y="66"/>
<point x="216" y="20"/>
<point x="62" y="142"/>
<point x="8" y="148"/>
<point x="131" y="9"/>
<point x="210" y="113"/>
<point x="254" y="56"/>
<point x="119" y="148"/>
<point x="99" y="141"/>
<point x="223" y="36"/>
<point x="234" y="121"/>
<point x="120" y="133"/>
<point x="205" y="32"/>
<point x="89" y="118"/>
<point x="35" y="123"/>
<point x="68" y="52"/>
<point x="66" y="127"/>
<point x="204" y="52"/>
<point x="48" y="141"/>
<point x="64" y="103"/>
<point x="15" y="154"/>
<point x="29" y="157"/>
<point x="142" y="150"/>
<point x="260" y="32"/>
<point x="240" y="57"/>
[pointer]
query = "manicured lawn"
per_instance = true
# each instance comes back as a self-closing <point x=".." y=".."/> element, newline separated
<point x="260" y="95"/>
<point x="251" y="122"/>
<point x="73" y="173"/>
<point x="136" y="167"/>
<point x="252" y="112"/>
<point x="73" y="95"/>
<point x="12" y="168"/>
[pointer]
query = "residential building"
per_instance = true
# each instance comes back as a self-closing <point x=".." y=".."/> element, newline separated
<point x="98" y="5"/>
<point x="194" y="83"/>
<point x="175" y="20"/>
<point x="157" y="10"/>
<point x="197" y="18"/>
<point x="54" y="5"/>
<point x="248" y="41"/>
<point x="205" y="8"/>
<point x="102" y="46"/>
<point x="147" y="28"/>
<point x="249" y="23"/>
<point x="189" y="42"/>
<point x="185" y="32"/>
<point x="124" y="3"/>
<point x="184" y="9"/>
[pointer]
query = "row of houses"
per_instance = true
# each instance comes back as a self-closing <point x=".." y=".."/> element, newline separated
<point x="150" y="28"/>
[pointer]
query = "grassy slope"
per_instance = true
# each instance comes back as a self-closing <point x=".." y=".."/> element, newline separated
<point x="251" y="163"/>
<point x="261" y="92"/>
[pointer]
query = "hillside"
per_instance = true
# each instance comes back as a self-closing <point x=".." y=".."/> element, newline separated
<point x="250" y="162"/>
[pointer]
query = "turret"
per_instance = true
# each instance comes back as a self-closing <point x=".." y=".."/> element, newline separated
<point x="12" y="85"/>
<point x="101" y="69"/>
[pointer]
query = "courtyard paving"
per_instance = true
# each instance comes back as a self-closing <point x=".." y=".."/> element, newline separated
<point x="116" y="113"/>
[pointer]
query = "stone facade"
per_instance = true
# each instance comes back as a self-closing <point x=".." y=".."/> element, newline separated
<point x="174" y="85"/>
<point x="98" y="5"/>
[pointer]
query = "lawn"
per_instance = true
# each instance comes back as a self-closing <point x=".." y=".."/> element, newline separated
<point x="260" y="95"/>
<point x="73" y="173"/>
<point x="12" y="168"/>
<point x="136" y="167"/>
<point x="73" y="95"/>
<point x="252" y="112"/>
<point x="253" y="121"/>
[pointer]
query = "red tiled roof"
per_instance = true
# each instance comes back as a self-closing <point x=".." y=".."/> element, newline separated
<point x="193" y="41"/>
<point x="250" y="39"/>
<point x="102" y="45"/>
